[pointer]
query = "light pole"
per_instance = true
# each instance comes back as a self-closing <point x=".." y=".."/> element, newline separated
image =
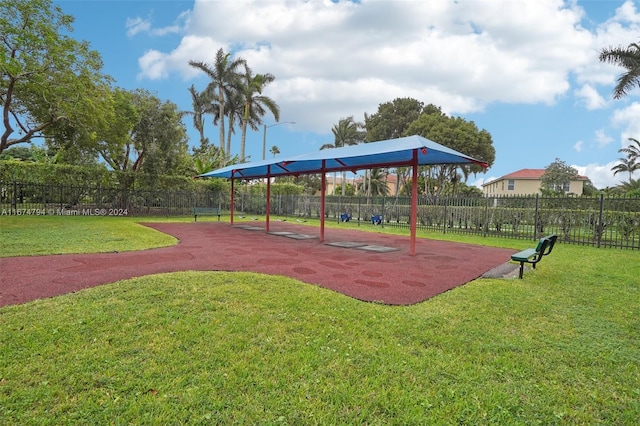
<point x="264" y="136"/>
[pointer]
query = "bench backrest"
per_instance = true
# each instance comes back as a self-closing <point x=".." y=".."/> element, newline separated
<point x="552" y="241"/>
<point x="542" y="245"/>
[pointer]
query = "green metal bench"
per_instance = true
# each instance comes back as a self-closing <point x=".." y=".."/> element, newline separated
<point x="535" y="255"/>
<point x="205" y="211"/>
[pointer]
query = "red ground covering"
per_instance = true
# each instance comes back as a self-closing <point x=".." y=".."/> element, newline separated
<point x="393" y="278"/>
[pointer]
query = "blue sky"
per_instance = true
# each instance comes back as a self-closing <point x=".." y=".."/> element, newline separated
<point x="527" y="71"/>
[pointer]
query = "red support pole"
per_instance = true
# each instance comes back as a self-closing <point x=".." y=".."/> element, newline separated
<point x="232" y="198"/>
<point x="323" y="188"/>
<point x="414" y="202"/>
<point x="268" y="201"/>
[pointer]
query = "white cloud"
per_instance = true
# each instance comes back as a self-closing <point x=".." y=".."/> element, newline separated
<point x="590" y="97"/>
<point x="600" y="174"/>
<point x="139" y="25"/>
<point x="602" y="139"/>
<point x="619" y="30"/>
<point x="627" y="118"/>
<point x="461" y="56"/>
<point x="578" y="146"/>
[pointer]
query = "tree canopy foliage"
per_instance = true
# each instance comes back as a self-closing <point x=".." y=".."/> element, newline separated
<point x="49" y="82"/>
<point x="628" y="58"/>
<point x="557" y="177"/>
<point x="407" y="116"/>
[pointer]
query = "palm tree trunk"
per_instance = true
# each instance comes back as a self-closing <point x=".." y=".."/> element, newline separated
<point x="344" y="183"/>
<point x="221" y="126"/>
<point x="243" y="137"/>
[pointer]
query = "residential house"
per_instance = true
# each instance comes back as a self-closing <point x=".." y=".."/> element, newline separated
<point x="334" y="181"/>
<point x="527" y="182"/>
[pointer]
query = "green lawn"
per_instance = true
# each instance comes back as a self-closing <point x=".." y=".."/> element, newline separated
<point x="561" y="346"/>
<point x="36" y="235"/>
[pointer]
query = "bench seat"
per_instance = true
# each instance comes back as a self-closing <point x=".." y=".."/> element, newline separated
<point x="524" y="255"/>
<point x="534" y="255"/>
<point x="205" y="211"/>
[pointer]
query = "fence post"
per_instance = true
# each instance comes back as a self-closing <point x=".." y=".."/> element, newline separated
<point x="485" y="228"/>
<point x="445" y="217"/>
<point x="600" y="224"/>
<point x="383" y="213"/>
<point x="14" y="199"/>
<point x="535" y="217"/>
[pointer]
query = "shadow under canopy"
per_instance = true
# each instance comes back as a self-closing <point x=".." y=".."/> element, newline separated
<point x="410" y="151"/>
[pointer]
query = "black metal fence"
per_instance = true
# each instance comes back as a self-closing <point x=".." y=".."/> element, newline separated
<point x="63" y="200"/>
<point x="596" y="221"/>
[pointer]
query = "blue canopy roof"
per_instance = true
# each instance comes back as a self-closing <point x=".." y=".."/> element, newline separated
<point x="387" y="153"/>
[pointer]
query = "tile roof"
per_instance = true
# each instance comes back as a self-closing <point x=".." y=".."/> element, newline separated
<point x="525" y="174"/>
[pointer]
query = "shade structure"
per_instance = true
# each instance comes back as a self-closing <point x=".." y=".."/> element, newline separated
<point x="386" y="153"/>
<point x="410" y="151"/>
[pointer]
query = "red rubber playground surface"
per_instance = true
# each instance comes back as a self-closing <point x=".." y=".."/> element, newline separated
<point x="392" y="277"/>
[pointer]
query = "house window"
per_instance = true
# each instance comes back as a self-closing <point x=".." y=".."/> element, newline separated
<point x="511" y="185"/>
<point x="564" y="187"/>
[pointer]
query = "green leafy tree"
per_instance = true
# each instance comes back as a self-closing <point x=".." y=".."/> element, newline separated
<point x="392" y="119"/>
<point x="458" y="134"/>
<point x="225" y="79"/>
<point x="274" y="150"/>
<point x="588" y="189"/>
<point x="210" y="159"/>
<point x="630" y="188"/>
<point x="557" y="177"/>
<point x="47" y="79"/>
<point x="149" y="138"/>
<point x="19" y="153"/>
<point x="629" y="59"/>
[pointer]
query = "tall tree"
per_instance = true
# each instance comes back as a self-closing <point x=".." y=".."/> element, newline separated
<point x="458" y="134"/>
<point x="392" y="119"/>
<point x="255" y="103"/>
<point x="629" y="59"/>
<point x="46" y="78"/>
<point x="151" y="137"/>
<point x="378" y="182"/>
<point x="631" y="162"/>
<point x="225" y="78"/>
<point x="199" y="108"/>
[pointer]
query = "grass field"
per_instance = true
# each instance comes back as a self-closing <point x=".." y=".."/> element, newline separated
<point x="561" y="346"/>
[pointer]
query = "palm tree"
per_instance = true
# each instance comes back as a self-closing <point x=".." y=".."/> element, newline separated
<point x="346" y="132"/>
<point x="274" y="150"/>
<point x="235" y="111"/>
<point x="199" y="109"/>
<point x="224" y="80"/>
<point x="255" y="103"/>
<point x="633" y="152"/>
<point x="628" y="164"/>
<point x="378" y="182"/>
<point x="629" y="59"/>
